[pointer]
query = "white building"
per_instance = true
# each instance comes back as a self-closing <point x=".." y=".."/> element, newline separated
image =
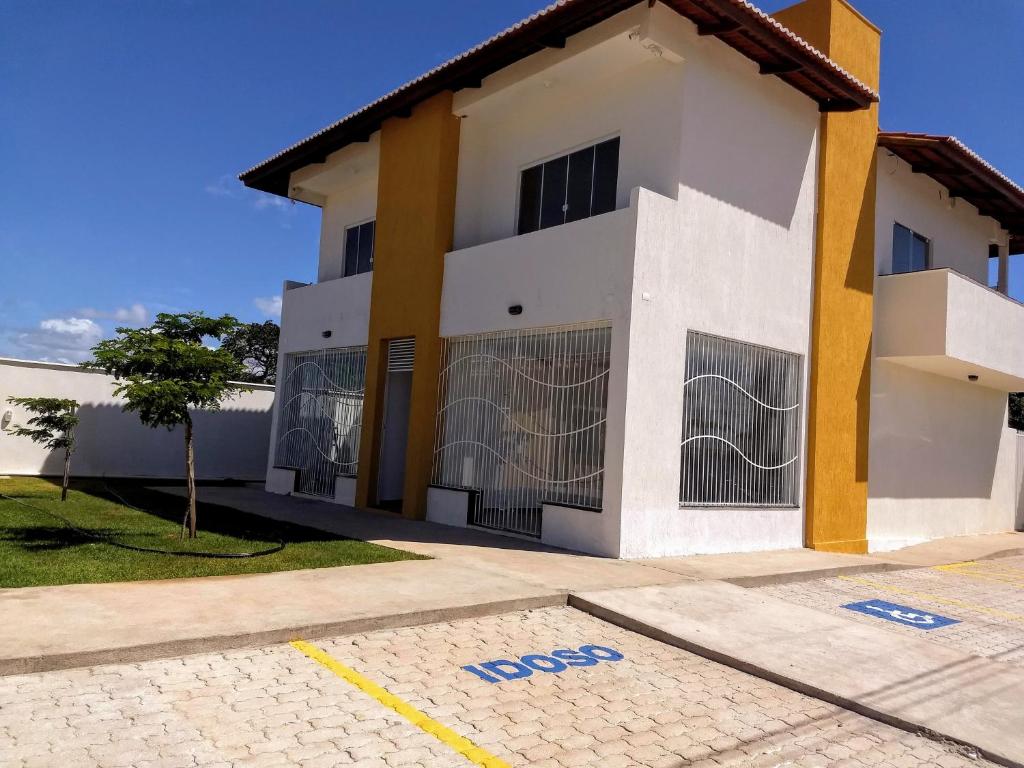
<point x="609" y="280"/>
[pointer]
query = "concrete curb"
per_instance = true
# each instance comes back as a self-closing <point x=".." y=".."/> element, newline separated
<point x="794" y="577"/>
<point x="190" y="646"/>
<point x="647" y="630"/>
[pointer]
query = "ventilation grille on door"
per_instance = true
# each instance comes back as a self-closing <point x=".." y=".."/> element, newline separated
<point x="400" y="354"/>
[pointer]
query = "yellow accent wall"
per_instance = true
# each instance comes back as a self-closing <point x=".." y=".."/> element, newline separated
<point x="415" y="218"/>
<point x="840" y="375"/>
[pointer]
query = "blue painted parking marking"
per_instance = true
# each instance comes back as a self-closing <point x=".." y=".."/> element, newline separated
<point x="557" y="661"/>
<point x="901" y="614"/>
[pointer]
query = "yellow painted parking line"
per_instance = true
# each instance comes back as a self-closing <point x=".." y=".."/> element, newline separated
<point x="936" y="598"/>
<point x="982" y="572"/>
<point x="474" y="754"/>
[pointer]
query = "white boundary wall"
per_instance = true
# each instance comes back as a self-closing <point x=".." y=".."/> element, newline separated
<point x="231" y="443"/>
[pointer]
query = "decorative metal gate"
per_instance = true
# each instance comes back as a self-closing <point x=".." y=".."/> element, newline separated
<point x="320" y="417"/>
<point x="522" y="421"/>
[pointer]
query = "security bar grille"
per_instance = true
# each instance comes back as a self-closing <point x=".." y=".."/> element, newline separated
<point x="321" y="416"/>
<point x="522" y="421"/>
<point x="741" y="424"/>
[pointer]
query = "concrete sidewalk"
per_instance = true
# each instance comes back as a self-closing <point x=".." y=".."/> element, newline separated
<point x="904" y="681"/>
<point x="46" y="628"/>
<point x="473" y="573"/>
<point x="518" y="558"/>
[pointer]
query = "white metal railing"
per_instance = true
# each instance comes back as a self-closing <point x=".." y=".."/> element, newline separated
<point x="320" y="416"/>
<point x="741" y="424"/>
<point x="522" y="421"/>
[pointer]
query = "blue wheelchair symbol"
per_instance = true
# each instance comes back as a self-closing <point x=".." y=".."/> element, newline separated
<point x="901" y="614"/>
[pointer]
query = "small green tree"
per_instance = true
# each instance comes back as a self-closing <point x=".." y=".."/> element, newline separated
<point x="254" y="345"/>
<point x="52" y="426"/>
<point x="167" y="369"/>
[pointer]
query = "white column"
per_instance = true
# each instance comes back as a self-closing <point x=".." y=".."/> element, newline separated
<point x="1003" y="282"/>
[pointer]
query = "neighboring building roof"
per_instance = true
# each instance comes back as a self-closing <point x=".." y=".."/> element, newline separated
<point x="736" y="22"/>
<point x="965" y="175"/>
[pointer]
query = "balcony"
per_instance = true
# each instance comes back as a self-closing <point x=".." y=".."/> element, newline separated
<point x="334" y="313"/>
<point x="945" y="323"/>
<point x="573" y="273"/>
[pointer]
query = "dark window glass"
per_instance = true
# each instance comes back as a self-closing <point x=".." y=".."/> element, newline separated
<point x="569" y="188"/>
<point x="529" y="199"/>
<point x="359" y="248"/>
<point x="351" y="251"/>
<point x="581" y="178"/>
<point x="919" y="254"/>
<point x="366" y="232"/>
<point x="552" y="202"/>
<point x="606" y="176"/>
<point x="909" y="250"/>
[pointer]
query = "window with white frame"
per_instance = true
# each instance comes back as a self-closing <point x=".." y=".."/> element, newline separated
<point x="741" y="425"/>
<point x="910" y="251"/>
<point x="359" y="248"/>
<point x="568" y="188"/>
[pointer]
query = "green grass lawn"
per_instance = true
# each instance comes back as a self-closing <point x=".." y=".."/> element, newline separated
<point x="37" y="549"/>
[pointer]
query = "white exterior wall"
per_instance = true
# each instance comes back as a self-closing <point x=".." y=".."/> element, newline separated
<point x="718" y="169"/>
<point x="349" y="206"/>
<point x="603" y="84"/>
<point x="941" y="458"/>
<point x="959" y="236"/>
<point x="341" y="306"/>
<point x="230" y="443"/>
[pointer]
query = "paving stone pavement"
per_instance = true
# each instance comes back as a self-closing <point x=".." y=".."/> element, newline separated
<point x="986" y="596"/>
<point x="273" y="706"/>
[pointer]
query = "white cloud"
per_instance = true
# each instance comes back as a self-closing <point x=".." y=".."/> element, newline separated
<point x="225" y="186"/>
<point x="269" y="306"/>
<point x="60" y="339"/>
<point x="136" y="314"/>
<point x="265" y="201"/>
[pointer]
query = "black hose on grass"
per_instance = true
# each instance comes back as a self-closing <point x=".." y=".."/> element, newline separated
<point x="107" y="539"/>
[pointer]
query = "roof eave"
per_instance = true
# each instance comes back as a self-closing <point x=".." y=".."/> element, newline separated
<point x="736" y="22"/>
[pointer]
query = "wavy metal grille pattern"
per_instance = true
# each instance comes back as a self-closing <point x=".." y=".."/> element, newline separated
<point x="741" y="424"/>
<point x="522" y="420"/>
<point x="320" y="417"/>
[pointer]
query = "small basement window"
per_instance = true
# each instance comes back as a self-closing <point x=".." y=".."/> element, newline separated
<point x="910" y="251"/>
<point x="568" y="188"/>
<point x="359" y="248"/>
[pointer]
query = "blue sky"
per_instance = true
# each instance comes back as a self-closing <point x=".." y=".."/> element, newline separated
<point x="125" y="123"/>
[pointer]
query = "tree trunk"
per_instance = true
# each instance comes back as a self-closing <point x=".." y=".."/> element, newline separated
<point x="190" y="474"/>
<point x="67" y="475"/>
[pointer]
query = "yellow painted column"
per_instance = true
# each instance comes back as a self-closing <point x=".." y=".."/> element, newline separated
<point x="415" y="219"/>
<point x="840" y="361"/>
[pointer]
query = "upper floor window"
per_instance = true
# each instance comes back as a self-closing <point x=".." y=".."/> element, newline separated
<point x="910" y="251"/>
<point x="569" y="188"/>
<point x="359" y="248"/>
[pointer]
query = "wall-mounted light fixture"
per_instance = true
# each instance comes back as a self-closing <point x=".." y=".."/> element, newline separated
<point x="5" y="420"/>
<point x="325" y="334"/>
<point x="515" y="309"/>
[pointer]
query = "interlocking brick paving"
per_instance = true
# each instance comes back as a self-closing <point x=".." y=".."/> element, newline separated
<point x="986" y="596"/>
<point x="273" y="706"/>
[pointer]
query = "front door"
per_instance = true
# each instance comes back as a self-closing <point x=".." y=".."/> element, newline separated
<point x="395" y="424"/>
